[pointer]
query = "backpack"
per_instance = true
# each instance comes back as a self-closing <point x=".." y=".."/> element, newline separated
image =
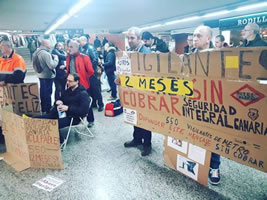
<point x="36" y="63"/>
<point x="113" y="109"/>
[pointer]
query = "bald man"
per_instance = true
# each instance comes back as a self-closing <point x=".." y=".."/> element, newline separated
<point x="251" y="36"/>
<point x="95" y="89"/>
<point x="48" y="63"/>
<point x="202" y="38"/>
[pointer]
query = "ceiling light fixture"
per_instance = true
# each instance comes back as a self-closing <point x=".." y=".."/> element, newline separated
<point x="252" y="6"/>
<point x="76" y="8"/>
<point x="213" y="14"/>
<point x="182" y="20"/>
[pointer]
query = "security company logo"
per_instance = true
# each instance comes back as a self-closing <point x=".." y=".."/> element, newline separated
<point x="247" y="95"/>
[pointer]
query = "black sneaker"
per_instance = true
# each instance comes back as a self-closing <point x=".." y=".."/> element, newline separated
<point x="100" y="109"/>
<point x="131" y="143"/>
<point x="214" y="176"/>
<point x="146" y="151"/>
<point x="90" y="124"/>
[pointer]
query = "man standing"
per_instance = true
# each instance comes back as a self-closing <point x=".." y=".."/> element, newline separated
<point x="80" y="64"/>
<point x="110" y="68"/>
<point x="201" y="41"/>
<point x="189" y="48"/>
<point x="139" y="134"/>
<point x="12" y="68"/>
<point x="46" y="75"/>
<point x="60" y="80"/>
<point x="12" y="65"/>
<point x="74" y="102"/>
<point x="251" y="36"/>
<point x="155" y="44"/>
<point x="95" y="89"/>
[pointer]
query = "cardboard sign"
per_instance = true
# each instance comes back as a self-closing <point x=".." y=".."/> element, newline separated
<point x="229" y="63"/>
<point x="31" y="142"/>
<point x="189" y="160"/>
<point x="23" y="97"/>
<point x="227" y="113"/>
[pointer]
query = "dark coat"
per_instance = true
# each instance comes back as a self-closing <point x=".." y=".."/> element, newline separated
<point x="60" y="73"/>
<point x="110" y="61"/>
<point x="159" y="45"/>
<point x="257" y="42"/>
<point x="90" y="51"/>
<point x="186" y="49"/>
<point x="77" y="101"/>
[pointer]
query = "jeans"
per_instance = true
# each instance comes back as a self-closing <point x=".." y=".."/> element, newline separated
<point x="215" y="161"/>
<point x="45" y="93"/>
<point x="60" y="87"/>
<point x="95" y="90"/>
<point x="113" y="87"/>
<point x="140" y="133"/>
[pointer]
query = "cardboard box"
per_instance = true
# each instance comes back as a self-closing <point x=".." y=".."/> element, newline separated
<point x="226" y="113"/>
<point x="187" y="159"/>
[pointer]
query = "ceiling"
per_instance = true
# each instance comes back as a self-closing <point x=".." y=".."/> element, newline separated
<point x="105" y="15"/>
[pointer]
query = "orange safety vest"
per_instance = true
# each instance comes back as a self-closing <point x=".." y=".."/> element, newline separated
<point x="9" y="65"/>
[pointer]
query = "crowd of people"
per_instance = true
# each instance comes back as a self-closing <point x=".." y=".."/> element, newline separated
<point x="75" y="67"/>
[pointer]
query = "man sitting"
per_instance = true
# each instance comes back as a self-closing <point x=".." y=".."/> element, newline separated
<point x="74" y="102"/>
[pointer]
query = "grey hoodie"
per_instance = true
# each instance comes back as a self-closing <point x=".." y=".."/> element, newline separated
<point x="47" y="62"/>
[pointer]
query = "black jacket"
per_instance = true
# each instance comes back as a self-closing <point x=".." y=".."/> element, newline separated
<point x="77" y="101"/>
<point x="110" y="61"/>
<point x="257" y="42"/>
<point x="186" y="49"/>
<point x="60" y="73"/>
<point x="90" y="51"/>
<point x="159" y="45"/>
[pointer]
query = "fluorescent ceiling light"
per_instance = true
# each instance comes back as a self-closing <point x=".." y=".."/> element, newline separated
<point x="76" y="8"/>
<point x="151" y="27"/>
<point x="252" y="6"/>
<point x="213" y="14"/>
<point x="182" y="20"/>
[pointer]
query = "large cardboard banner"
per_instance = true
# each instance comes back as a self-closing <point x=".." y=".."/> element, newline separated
<point x="31" y="142"/>
<point x="226" y="113"/>
<point x="23" y="97"/>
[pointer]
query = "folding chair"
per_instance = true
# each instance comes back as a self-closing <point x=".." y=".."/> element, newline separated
<point x="77" y="128"/>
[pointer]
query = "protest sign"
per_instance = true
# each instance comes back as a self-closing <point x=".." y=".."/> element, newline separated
<point x="23" y="97"/>
<point x="225" y="114"/>
<point x="31" y="142"/>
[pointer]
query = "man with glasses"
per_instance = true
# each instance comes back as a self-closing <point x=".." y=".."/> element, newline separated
<point x="189" y="48"/>
<point x="251" y="36"/>
<point x="74" y="102"/>
<point x="79" y="63"/>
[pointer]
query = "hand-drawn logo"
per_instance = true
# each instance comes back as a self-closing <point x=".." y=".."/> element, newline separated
<point x="190" y="166"/>
<point x="247" y="95"/>
<point x="253" y="114"/>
